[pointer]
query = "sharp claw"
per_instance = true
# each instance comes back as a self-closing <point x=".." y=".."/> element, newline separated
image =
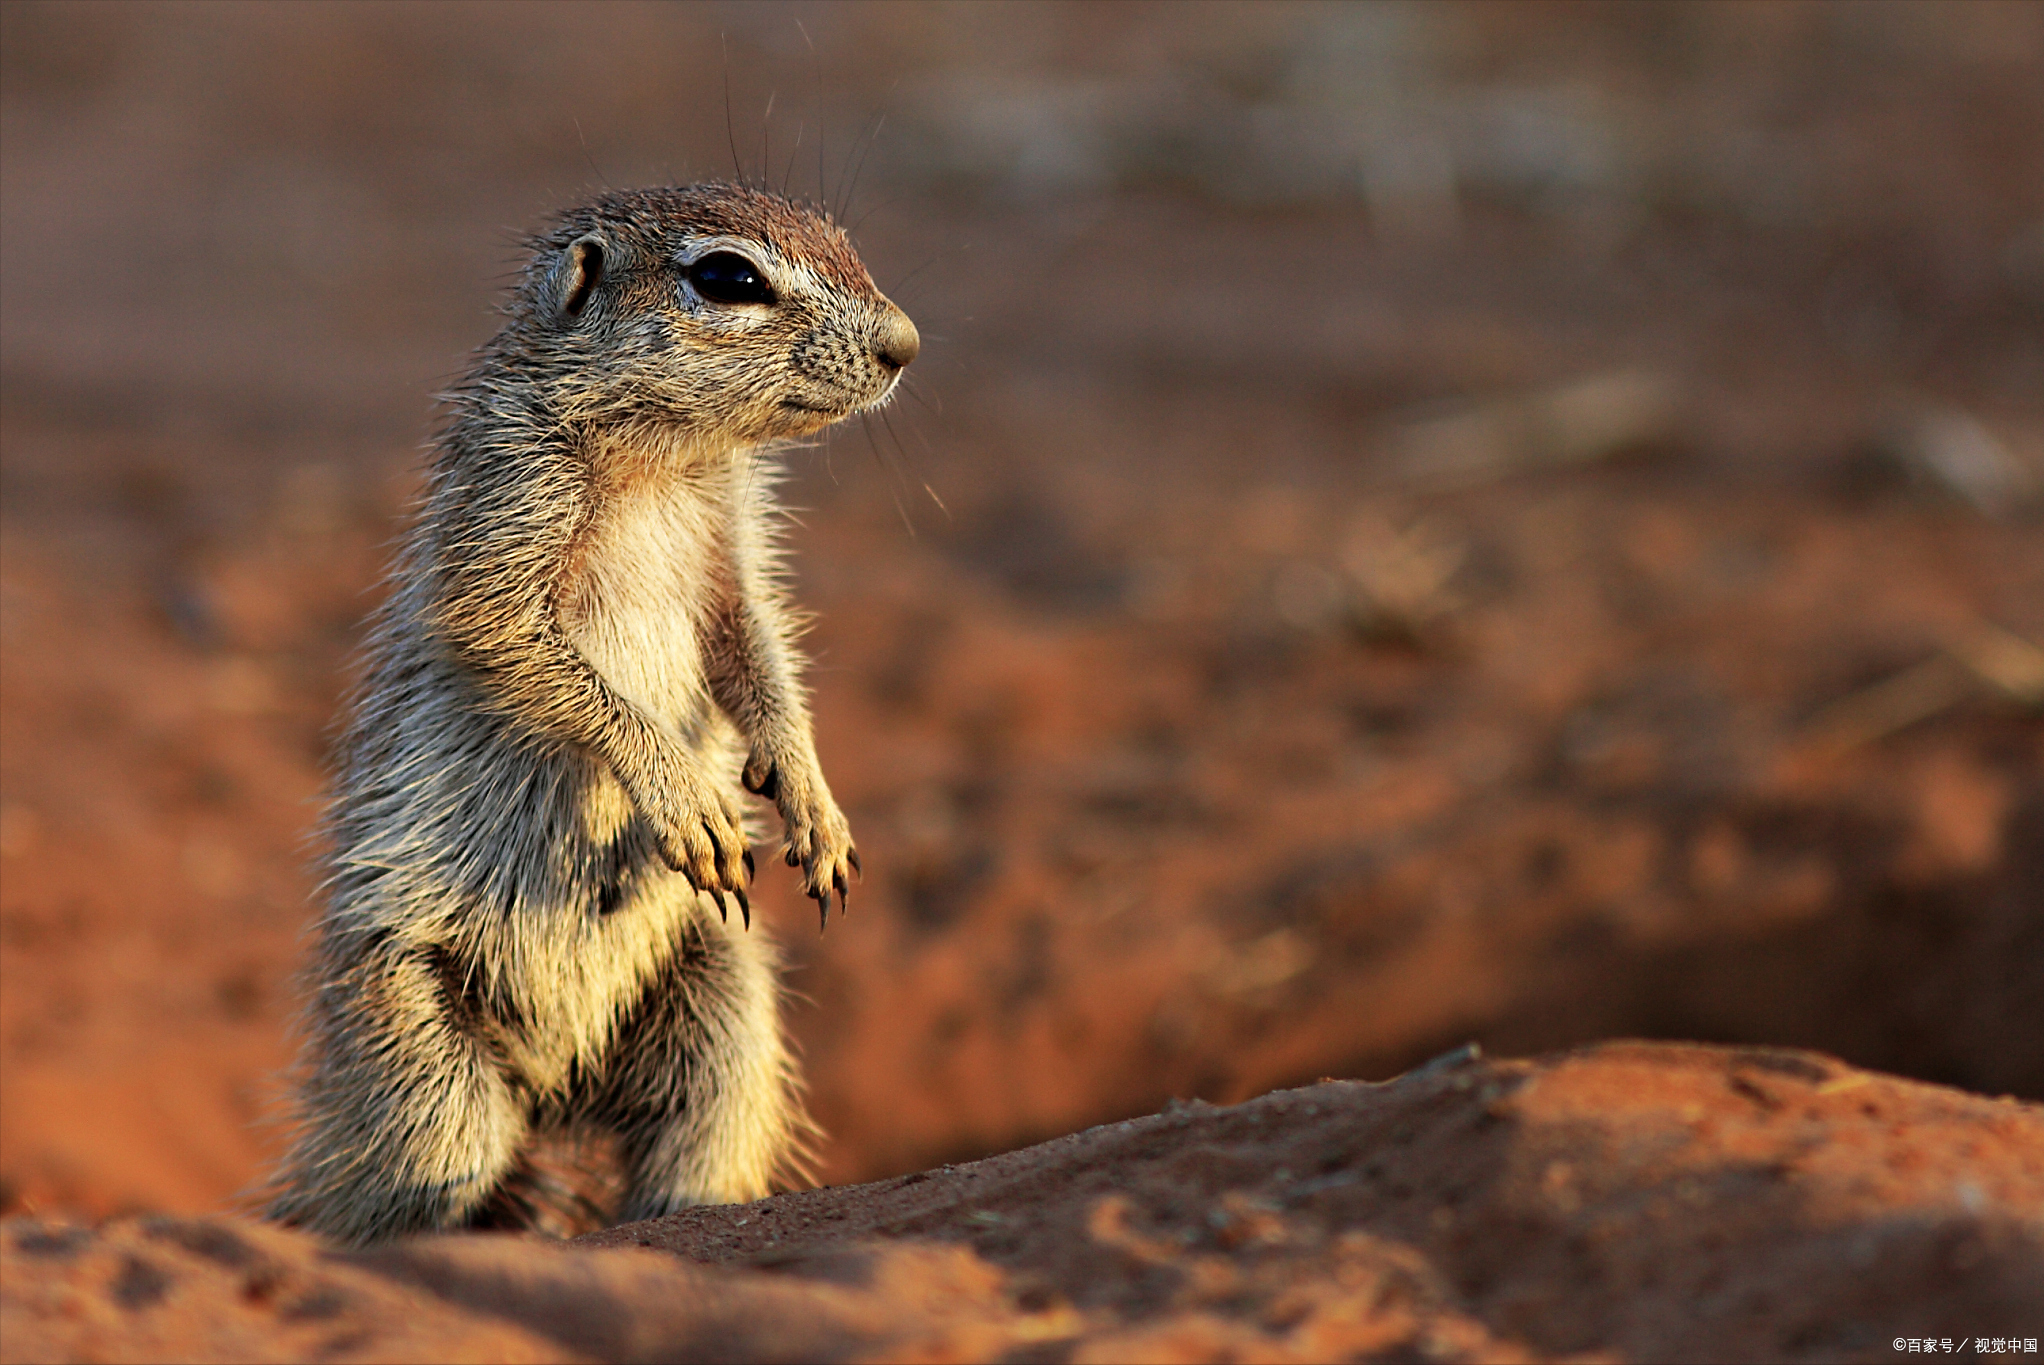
<point x="790" y="859"/>
<point x="723" y="910"/>
<point x="823" y="911"/>
<point x="716" y="844"/>
<point x="843" y="901"/>
<point x="852" y="857"/>
<point x="744" y="907"/>
<point x="751" y="872"/>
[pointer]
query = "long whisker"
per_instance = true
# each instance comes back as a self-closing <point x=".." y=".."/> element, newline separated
<point x="883" y="204"/>
<point x="890" y="469"/>
<point x="816" y="69"/>
<point x="900" y="509"/>
<point x="933" y="406"/>
<point x="855" y="162"/>
<point x="789" y="174"/>
<point x="730" y="128"/>
<point x="910" y="278"/>
<point x="594" y="170"/>
<point x="879" y="122"/>
<point x="902" y="451"/>
<point x="822" y="121"/>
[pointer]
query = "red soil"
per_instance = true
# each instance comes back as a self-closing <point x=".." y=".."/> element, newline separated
<point x="1630" y="1201"/>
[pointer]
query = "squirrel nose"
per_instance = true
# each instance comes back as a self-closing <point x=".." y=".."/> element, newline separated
<point x="896" y="341"/>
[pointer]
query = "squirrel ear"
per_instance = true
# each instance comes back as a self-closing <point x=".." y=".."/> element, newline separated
<point x="579" y="272"/>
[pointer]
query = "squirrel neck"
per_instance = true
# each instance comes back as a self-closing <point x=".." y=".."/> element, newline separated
<point x="628" y="455"/>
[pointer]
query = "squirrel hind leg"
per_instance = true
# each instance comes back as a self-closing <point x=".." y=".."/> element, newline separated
<point x="561" y="1185"/>
<point x="405" y="1122"/>
<point x="701" y="1085"/>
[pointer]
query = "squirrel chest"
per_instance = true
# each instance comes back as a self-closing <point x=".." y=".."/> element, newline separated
<point x="652" y="563"/>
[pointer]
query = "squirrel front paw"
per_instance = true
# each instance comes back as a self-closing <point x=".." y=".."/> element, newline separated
<point x="819" y="840"/>
<point x="699" y="835"/>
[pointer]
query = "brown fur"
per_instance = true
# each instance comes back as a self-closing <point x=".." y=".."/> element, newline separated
<point x="537" y="826"/>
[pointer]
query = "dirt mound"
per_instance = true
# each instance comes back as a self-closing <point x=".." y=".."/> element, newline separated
<point x="1630" y="1201"/>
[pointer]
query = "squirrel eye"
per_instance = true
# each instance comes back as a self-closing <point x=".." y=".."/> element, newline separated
<point x="727" y="277"/>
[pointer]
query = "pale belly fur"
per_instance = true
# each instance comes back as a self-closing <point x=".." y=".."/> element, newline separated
<point x="635" y="613"/>
<point x="637" y="610"/>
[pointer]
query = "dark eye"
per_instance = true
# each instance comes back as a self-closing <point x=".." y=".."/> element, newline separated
<point x="727" y="277"/>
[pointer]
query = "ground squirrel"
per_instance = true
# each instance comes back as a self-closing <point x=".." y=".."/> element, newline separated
<point x="536" y="834"/>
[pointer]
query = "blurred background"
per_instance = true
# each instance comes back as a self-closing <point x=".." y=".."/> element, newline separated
<point x="1415" y="523"/>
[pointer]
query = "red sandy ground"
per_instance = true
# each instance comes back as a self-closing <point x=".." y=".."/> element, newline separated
<point x="1625" y="1202"/>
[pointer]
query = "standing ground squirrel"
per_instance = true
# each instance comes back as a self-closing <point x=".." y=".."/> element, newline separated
<point x="535" y="830"/>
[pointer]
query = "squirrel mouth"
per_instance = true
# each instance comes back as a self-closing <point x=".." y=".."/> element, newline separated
<point x="840" y="402"/>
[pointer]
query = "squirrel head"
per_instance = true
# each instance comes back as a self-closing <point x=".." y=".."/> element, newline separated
<point x="738" y="314"/>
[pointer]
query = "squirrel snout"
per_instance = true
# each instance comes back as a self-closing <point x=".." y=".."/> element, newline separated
<point x="896" y="341"/>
